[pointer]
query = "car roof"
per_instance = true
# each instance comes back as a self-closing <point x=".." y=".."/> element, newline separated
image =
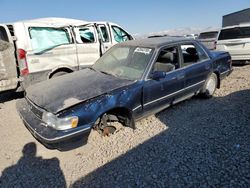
<point x="54" y="21"/>
<point x="156" y="42"/>
<point x="212" y="31"/>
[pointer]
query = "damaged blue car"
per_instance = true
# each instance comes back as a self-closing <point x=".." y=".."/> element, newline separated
<point x="130" y="81"/>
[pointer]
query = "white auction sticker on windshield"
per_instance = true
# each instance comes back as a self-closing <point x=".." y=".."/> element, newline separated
<point x="143" y="50"/>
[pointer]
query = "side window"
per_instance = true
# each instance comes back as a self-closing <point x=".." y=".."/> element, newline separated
<point x="46" y="38"/>
<point x="119" y="34"/>
<point x="87" y="34"/>
<point x="168" y="60"/>
<point x="3" y="34"/>
<point x="192" y="54"/>
<point x="104" y="33"/>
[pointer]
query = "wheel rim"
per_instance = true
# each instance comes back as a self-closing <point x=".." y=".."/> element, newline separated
<point x="211" y="85"/>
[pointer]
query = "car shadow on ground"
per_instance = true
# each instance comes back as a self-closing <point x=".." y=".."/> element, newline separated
<point x="10" y="95"/>
<point x="206" y="145"/>
<point x="33" y="171"/>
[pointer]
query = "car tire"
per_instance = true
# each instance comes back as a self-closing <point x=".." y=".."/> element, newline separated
<point x="57" y="74"/>
<point x="209" y="86"/>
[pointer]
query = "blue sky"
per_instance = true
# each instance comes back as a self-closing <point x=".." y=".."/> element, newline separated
<point x="141" y="16"/>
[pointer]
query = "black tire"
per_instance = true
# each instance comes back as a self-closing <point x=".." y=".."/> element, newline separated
<point x="57" y="74"/>
<point x="210" y="86"/>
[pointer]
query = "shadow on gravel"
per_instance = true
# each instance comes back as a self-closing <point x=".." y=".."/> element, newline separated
<point x="10" y="95"/>
<point x="206" y="145"/>
<point x="32" y="171"/>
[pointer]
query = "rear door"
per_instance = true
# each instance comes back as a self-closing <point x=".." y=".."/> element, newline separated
<point x="8" y="71"/>
<point x="196" y="64"/>
<point x="87" y="45"/>
<point x="49" y="48"/>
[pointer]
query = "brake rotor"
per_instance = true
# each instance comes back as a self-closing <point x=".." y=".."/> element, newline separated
<point x="106" y="131"/>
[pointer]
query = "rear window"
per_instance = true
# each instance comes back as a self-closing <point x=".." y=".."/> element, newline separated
<point x="208" y="35"/>
<point x="234" y="33"/>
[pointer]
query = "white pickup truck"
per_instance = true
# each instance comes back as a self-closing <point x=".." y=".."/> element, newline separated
<point x="48" y="47"/>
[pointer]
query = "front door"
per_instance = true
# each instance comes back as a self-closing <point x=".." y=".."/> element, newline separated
<point x="160" y="93"/>
<point x="105" y="37"/>
<point x="87" y="44"/>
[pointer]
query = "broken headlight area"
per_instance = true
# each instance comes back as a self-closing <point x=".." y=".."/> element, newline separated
<point x="59" y="123"/>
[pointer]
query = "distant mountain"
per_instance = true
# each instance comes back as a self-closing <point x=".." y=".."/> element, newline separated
<point x="177" y="31"/>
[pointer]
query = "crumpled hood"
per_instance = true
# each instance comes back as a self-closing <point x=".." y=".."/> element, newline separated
<point x="63" y="92"/>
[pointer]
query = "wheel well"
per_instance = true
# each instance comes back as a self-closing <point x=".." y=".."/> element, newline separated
<point x="218" y="79"/>
<point x="123" y="115"/>
<point x="67" y="70"/>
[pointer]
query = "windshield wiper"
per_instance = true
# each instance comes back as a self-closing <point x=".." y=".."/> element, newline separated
<point x="92" y="68"/>
<point x="50" y="48"/>
<point x="107" y="73"/>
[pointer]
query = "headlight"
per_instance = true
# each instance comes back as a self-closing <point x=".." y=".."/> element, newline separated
<point x="59" y="123"/>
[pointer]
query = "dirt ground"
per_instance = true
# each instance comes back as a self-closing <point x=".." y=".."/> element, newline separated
<point x="197" y="143"/>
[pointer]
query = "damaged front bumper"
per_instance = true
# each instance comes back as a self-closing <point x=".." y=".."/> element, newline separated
<point x="49" y="137"/>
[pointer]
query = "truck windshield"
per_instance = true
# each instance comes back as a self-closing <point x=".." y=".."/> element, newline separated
<point x="45" y="38"/>
<point x="208" y="35"/>
<point x="234" y="33"/>
<point x="128" y="62"/>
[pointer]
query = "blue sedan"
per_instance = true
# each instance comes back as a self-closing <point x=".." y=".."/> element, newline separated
<point x="130" y="81"/>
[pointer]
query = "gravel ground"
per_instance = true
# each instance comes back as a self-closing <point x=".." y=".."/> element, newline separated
<point x="197" y="143"/>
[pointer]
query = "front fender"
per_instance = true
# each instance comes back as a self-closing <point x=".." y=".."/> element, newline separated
<point x="89" y="111"/>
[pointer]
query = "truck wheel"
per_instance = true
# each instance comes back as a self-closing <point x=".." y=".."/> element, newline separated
<point x="210" y="86"/>
<point x="58" y="74"/>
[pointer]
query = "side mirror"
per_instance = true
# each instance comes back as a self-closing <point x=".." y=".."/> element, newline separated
<point x="157" y="75"/>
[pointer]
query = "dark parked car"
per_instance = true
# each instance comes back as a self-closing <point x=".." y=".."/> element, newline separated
<point x="132" y="80"/>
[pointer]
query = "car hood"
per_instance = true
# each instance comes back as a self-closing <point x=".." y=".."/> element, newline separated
<point x="63" y="92"/>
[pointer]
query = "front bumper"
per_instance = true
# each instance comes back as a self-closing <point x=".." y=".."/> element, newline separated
<point x="51" y="138"/>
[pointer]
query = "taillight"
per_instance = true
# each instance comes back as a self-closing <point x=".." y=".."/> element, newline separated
<point x="23" y="66"/>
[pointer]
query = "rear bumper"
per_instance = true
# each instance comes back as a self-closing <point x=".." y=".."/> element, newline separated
<point x="51" y="138"/>
<point x="240" y="57"/>
<point x="226" y="73"/>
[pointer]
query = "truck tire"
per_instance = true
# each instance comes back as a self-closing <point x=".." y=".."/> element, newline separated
<point x="209" y="86"/>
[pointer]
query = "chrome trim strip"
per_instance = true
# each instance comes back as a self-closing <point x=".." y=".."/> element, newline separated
<point x="134" y="109"/>
<point x="166" y="96"/>
<point x="226" y="71"/>
<point x="65" y="136"/>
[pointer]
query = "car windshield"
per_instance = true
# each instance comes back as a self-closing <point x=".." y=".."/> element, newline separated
<point x="234" y="33"/>
<point x="128" y="62"/>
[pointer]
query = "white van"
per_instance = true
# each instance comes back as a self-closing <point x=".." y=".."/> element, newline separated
<point x="235" y="40"/>
<point x="49" y="47"/>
